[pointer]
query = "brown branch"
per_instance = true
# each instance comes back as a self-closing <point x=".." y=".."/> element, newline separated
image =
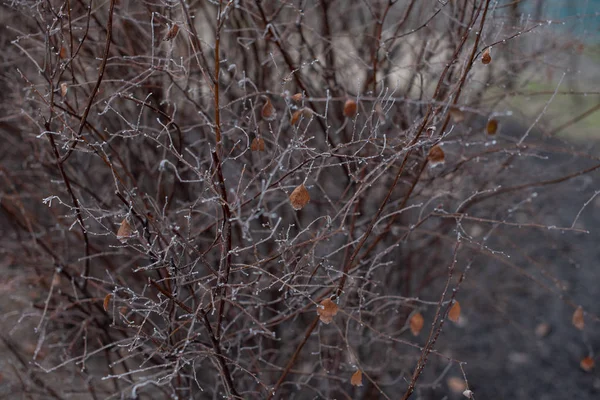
<point x="201" y="314"/>
<point x="102" y="68"/>
<point x="434" y="333"/>
<point x="292" y="360"/>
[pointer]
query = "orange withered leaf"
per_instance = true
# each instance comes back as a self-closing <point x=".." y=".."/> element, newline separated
<point x="356" y="379"/>
<point x="297" y="97"/>
<point x="587" y="364"/>
<point x="350" y="108"/>
<point x="436" y="155"/>
<point x="125" y="231"/>
<point x="492" y="127"/>
<point x="457" y="115"/>
<point x="416" y="323"/>
<point x="172" y="33"/>
<point x="63" y="89"/>
<point x="299" y="197"/>
<point x="454" y="313"/>
<point x="327" y="310"/>
<point x="456" y="384"/>
<point x="486" y="58"/>
<point x="303" y="112"/>
<point x="106" y="301"/>
<point x="296" y="117"/>
<point x="578" y="321"/>
<point x="62" y="53"/>
<point x="258" y="144"/>
<point x="268" y="111"/>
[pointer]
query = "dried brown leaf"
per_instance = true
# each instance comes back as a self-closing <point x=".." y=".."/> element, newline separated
<point x="454" y="313"/>
<point x="106" y="301"/>
<point x="297" y="97"/>
<point x="303" y="112"/>
<point x="268" y="111"/>
<point x="299" y="197"/>
<point x="327" y="310"/>
<point x="587" y="364"/>
<point x="456" y="384"/>
<point x="578" y="320"/>
<point x="492" y="127"/>
<point x="296" y="117"/>
<point x="350" y="108"/>
<point x="416" y="323"/>
<point x="436" y="155"/>
<point x="62" y="53"/>
<point x="63" y="89"/>
<point x="356" y="379"/>
<point x="457" y="115"/>
<point x="125" y="231"/>
<point x="486" y="58"/>
<point x="258" y="144"/>
<point x="172" y="33"/>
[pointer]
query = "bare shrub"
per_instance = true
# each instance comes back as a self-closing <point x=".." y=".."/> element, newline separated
<point x="283" y="199"/>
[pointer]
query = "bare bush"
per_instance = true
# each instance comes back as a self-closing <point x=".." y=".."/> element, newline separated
<point x="257" y="199"/>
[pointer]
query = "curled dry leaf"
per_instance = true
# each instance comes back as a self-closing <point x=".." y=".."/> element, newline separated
<point x="356" y="379"/>
<point x="456" y="384"/>
<point x="492" y="127"/>
<point x="486" y="58"/>
<point x="296" y="117"/>
<point x="106" y="301"/>
<point x="436" y="155"/>
<point x="587" y="364"/>
<point x="303" y="112"/>
<point x="416" y="323"/>
<point x="327" y="310"/>
<point x="172" y="33"/>
<point x="350" y="108"/>
<point x="578" y="320"/>
<point x="299" y="197"/>
<point x="297" y="97"/>
<point x="454" y="313"/>
<point x="268" y="111"/>
<point x="62" y="53"/>
<point x="63" y="89"/>
<point x="457" y="115"/>
<point x="258" y="144"/>
<point x="125" y="231"/>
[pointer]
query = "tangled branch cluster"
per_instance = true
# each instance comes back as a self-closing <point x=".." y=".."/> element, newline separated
<point x="264" y="199"/>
